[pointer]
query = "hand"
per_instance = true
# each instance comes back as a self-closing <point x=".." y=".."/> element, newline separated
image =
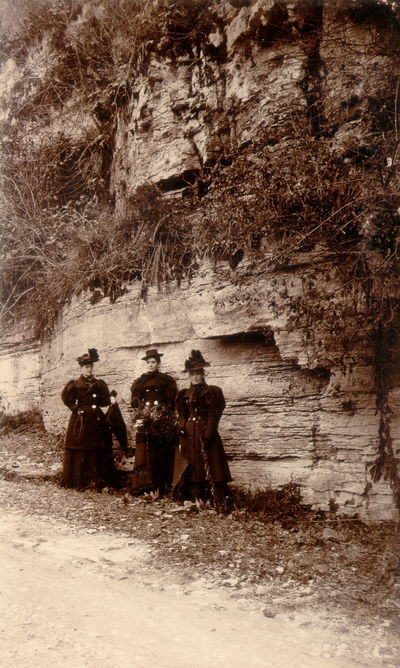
<point x="207" y="442"/>
<point x="139" y="423"/>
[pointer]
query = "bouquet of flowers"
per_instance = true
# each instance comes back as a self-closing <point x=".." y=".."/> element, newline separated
<point x="160" y="419"/>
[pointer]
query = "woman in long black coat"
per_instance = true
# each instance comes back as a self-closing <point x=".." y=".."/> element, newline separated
<point x="88" y="458"/>
<point x="201" y="467"/>
<point x="153" y="401"/>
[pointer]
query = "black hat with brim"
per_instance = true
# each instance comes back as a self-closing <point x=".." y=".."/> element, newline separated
<point x="90" y="357"/>
<point x="153" y="352"/>
<point x="196" y="361"/>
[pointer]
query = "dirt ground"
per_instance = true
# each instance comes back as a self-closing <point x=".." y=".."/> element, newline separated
<point x="332" y="579"/>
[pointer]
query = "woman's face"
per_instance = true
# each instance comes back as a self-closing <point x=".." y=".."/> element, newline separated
<point x="87" y="370"/>
<point x="196" y="376"/>
<point x="152" y="364"/>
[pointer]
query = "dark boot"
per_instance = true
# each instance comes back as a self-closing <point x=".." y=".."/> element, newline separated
<point x="198" y="491"/>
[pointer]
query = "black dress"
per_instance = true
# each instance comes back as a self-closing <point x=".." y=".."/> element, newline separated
<point x="200" y="408"/>
<point x="88" y="458"/>
<point x="153" y="400"/>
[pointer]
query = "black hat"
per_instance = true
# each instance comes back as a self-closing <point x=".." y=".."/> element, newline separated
<point x="113" y="393"/>
<point x="90" y="357"/>
<point x="196" y="361"/>
<point x="153" y="352"/>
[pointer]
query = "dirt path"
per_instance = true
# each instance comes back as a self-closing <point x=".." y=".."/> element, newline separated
<point x="71" y="598"/>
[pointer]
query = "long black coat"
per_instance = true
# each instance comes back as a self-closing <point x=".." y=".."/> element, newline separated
<point x="153" y="400"/>
<point x="200" y="408"/>
<point x="87" y="428"/>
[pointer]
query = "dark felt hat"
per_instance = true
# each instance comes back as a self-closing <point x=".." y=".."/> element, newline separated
<point x="153" y="352"/>
<point x="90" y="357"/>
<point x="195" y="361"/>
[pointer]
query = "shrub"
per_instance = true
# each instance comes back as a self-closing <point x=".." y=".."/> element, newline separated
<point x="270" y="505"/>
<point x="23" y="422"/>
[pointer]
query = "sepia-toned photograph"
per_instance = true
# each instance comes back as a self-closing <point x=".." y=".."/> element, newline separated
<point x="200" y="333"/>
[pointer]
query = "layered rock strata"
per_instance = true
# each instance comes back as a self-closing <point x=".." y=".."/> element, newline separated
<point x="283" y="422"/>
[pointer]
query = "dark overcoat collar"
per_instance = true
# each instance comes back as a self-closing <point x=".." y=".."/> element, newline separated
<point x="200" y="388"/>
<point x="82" y="381"/>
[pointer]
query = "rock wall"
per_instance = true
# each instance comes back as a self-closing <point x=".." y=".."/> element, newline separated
<point x="282" y="421"/>
<point x="264" y="66"/>
<point x="183" y="115"/>
<point x="20" y="370"/>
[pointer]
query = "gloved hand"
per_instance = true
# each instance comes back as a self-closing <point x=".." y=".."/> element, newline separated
<point x="207" y="442"/>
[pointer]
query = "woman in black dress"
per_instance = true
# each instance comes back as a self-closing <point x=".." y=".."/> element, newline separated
<point x="153" y="401"/>
<point x="201" y="468"/>
<point x="88" y="459"/>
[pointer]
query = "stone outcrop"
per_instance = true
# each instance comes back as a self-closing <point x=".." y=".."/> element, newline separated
<point x="20" y="370"/>
<point x="264" y="64"/>
<point x="184" y="115"/>
<point x="282" y="422"/>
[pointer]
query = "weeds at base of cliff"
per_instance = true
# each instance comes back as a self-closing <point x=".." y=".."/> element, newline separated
<point x="25" y="439"/>
<point x="270" y="505"/>
<point x="22" y="422"/>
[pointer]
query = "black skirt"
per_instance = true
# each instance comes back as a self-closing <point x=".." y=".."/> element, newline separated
<point x="153" y="464"/>
<point x="84" y="469"/>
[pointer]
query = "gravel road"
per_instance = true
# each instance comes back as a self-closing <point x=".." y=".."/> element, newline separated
<point x="71" y="598"/>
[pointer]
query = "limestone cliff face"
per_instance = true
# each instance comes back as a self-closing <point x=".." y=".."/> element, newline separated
<point x="183" y="115"/>
<point x="261" y="63"/>
<point x="282" y="421"/>
<point x="20" y="369"/>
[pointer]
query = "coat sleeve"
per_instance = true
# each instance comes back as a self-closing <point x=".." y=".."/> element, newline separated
<point x="215" y="406"/>
<point x="135" y="390"/>
<point x="170" y="391"/>
<point x="69" y="395"/>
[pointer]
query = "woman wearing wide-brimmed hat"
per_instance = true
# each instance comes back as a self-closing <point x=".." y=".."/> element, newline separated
<point x="200" y="468"/>
<point x="88" y="458"/>
<point x="153" y="401"/>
